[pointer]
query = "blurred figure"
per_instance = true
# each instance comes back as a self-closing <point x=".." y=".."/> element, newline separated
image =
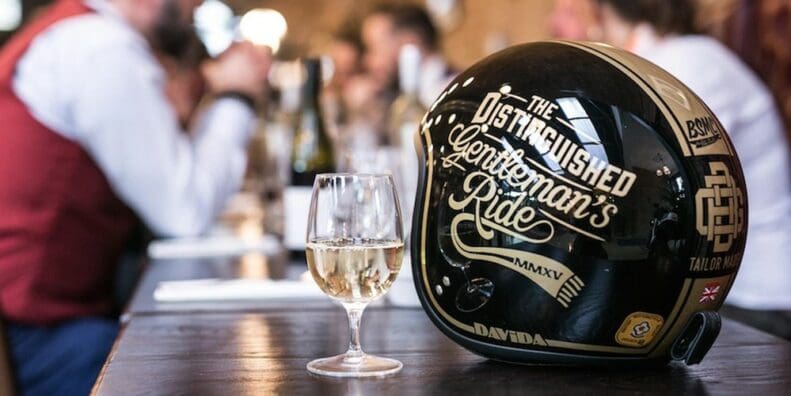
<point x="346" y="52"/>
<point x="355" y="107"/>
<point x="185" y="83"/>
<point x="385" y="30"/>
<point x="574" y="20"/>
<point x="663" y="31"/>
<point x="90" y="146"/>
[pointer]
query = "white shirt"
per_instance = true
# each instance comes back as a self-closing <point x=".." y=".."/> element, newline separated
<point x="94" y="80"/>
<point x="747" y="111"/>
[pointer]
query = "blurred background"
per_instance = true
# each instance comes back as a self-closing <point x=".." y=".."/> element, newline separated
<point x="757" y="30"/>
<point x="263" y="95"/>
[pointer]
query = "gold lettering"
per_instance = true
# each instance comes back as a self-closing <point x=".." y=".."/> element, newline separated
<point x="518" y="116"/>
<point x="593" y="171"/>
<point x="606" y="177"/>
<point x="513" y="336"/>
<point x="624" y="184"/>
<point x="486" y="107"/>
<point x="543" y="145"/>
<point x="502" y="116"/>
<point x="480" y="329"/>
<point x="578" y="162"/>
<point x="484" y="190"/>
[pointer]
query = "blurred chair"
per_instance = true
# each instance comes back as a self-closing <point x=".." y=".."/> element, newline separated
<point x="6" y="372"/>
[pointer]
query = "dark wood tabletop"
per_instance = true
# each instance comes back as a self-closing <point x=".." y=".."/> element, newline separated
<point x="262" y="347"/>
<point x="232" y="353"/>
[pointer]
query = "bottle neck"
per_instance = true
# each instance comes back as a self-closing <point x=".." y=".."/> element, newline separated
<point x="310" y="95"/>
<point x="312" y="149"/>
<point x="311" y="91"/>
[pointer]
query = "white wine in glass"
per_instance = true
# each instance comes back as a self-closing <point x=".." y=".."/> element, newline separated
<point x="354" y="271"/>
<point x="354" y="251"/>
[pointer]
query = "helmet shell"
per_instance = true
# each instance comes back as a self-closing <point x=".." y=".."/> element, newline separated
<point x="577" y="204"/>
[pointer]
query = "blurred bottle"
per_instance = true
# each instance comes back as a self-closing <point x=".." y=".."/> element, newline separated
<point x="312" y="151"/>
<point x="406" y="114"/>
<point x="277" y="123"/>
<point x="311" y="154"/>
<point x="406" y="111"/>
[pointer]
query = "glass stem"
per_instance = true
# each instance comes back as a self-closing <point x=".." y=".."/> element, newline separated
<point x="355" y="353"/>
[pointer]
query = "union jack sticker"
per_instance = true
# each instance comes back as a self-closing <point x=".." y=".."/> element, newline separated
<point x="710" y="292"/>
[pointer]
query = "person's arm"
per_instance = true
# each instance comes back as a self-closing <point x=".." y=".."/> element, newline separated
<point x="176" y="184"/>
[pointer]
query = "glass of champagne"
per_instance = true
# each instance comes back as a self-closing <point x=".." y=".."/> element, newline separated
<point x="354" y="250"/>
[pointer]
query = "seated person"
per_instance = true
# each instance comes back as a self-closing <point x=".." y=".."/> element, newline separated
<point x="91" y="145"/>
<point x="663" y="32"/>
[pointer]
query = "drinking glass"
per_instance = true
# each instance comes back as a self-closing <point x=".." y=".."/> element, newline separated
<point x="354" y="250"/>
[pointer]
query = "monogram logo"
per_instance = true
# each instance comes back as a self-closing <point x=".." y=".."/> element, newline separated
<point x="641" y="329"/>
<point x="720" y="208"/>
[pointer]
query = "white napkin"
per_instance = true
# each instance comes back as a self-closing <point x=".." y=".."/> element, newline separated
<point x="235" y="290"/>
<point x="212" y="245"/>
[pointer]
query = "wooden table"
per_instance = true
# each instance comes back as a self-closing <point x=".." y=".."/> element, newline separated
<point x="243" y="351"/>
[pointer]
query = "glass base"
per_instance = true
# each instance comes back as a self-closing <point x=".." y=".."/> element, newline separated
<point x="363" y="366"/>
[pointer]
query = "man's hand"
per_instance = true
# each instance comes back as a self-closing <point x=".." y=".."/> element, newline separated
<point x="242" y="68"/>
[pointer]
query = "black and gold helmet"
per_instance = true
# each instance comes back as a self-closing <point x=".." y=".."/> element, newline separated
<point x="577" y="204"/>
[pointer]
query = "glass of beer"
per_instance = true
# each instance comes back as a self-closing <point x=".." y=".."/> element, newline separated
<point x="354" y="250"/>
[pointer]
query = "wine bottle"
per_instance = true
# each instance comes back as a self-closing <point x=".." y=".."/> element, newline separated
<point x="407" y="110"/>
<point x="311" y="154"/>
<point x="404" y="122"/>
<point x="312" y="151"/>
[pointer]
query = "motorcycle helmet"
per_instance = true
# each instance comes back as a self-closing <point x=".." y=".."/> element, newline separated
<point x="576" y="205"/>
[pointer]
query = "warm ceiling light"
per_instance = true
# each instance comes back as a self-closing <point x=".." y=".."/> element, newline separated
<point x="215" y="24"/>
<point x="10" y="14"/>
<point x="263" y="26"/>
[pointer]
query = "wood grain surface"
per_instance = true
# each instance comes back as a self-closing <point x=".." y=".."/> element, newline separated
<point x="239" y="353"/>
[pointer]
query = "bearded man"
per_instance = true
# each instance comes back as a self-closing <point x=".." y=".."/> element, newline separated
<point x="90" y="146"/>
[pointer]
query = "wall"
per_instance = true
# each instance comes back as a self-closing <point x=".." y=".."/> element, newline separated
<point x="310" y="22"/>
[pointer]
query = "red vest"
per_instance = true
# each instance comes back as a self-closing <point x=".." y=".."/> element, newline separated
<point x="62" y="228"/>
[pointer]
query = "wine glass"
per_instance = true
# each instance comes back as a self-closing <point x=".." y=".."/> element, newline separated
<point x="354" y="250"/>
<point x="475" y="293"/>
